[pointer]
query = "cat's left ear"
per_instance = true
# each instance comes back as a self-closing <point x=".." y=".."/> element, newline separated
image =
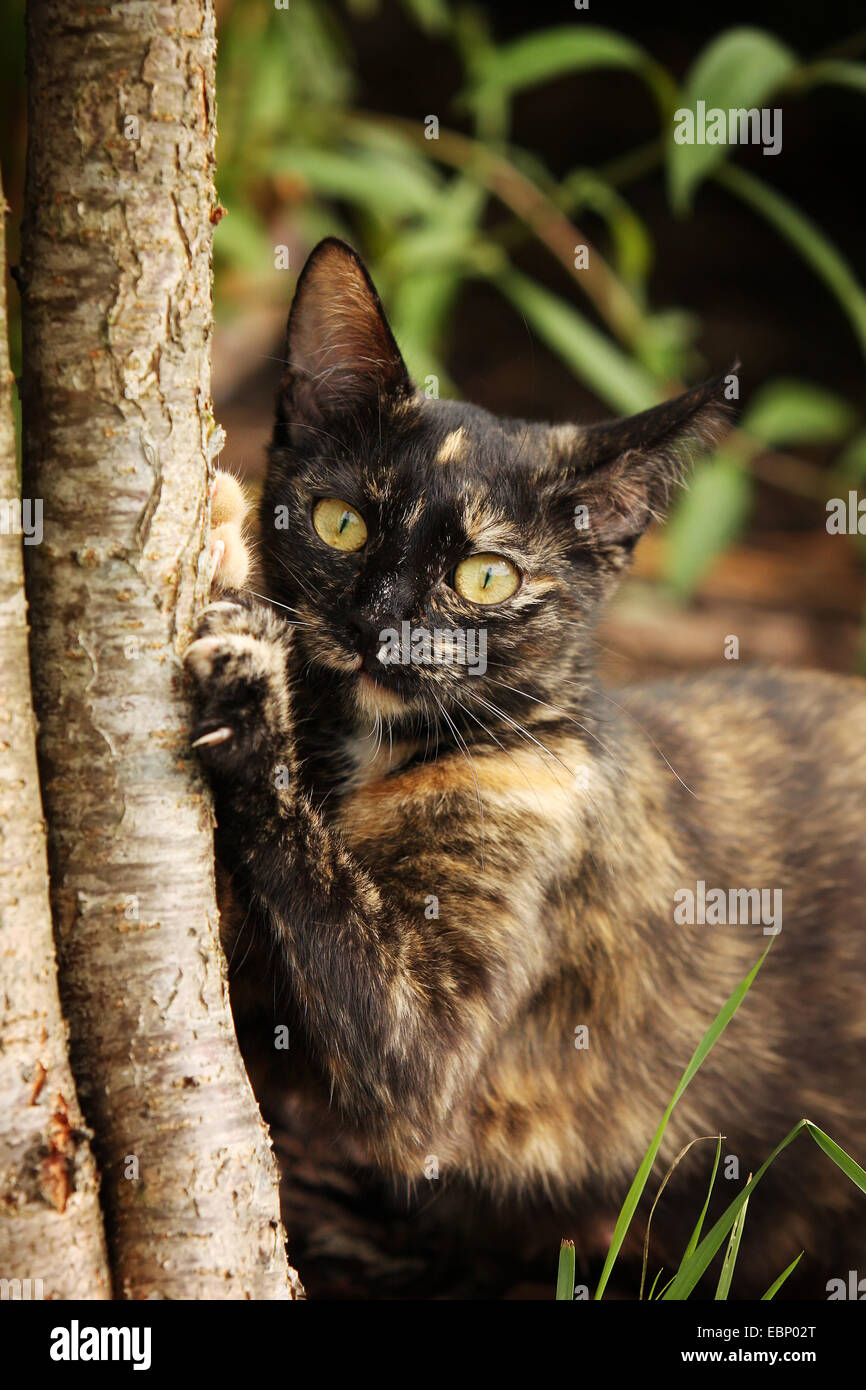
<point x="623" y="472"/>
<point x="341" y="355"/>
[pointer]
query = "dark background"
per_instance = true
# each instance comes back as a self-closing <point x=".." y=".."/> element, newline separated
<point x="792" y="593"/>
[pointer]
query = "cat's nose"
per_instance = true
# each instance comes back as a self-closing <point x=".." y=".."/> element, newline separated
<point x="364" y="634"/>
<point x="373" y="639"/>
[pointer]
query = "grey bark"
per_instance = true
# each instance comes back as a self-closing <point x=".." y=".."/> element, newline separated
<point x="117" y="326"/>
<point x="52" y="1243"/>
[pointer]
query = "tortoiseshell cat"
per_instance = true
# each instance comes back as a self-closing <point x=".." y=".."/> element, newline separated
<point x="466" y="864"/>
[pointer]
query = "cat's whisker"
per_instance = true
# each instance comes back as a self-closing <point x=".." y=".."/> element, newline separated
<point x="296" y="577"/>
<point x="589" y="732"/>
<point x="461" y="743"/>
<point x="611" y="651"/>
<point x="313" y="429"/>
<point x="648" y="735"/>
<point x="276" y="604"/>
<point x="429" y="719"/>
<point x="499" y="744"/>
<point x="250" y="942"/>
<point x="521" y="730"/>
<point x="281" y="560"/>
<point x="589" y="797"/>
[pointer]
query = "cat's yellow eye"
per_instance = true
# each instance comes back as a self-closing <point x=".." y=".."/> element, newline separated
<point x="339" y="525"/>
<point x="486" y="579"/>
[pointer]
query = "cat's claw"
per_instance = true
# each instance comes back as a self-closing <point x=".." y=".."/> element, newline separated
<point x="217" y="551"/>
<point x="221" y="735"/>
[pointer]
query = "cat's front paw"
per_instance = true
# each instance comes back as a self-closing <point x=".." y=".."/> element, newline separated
<point x="238" y="661"/>
<point x="231" y="556"/>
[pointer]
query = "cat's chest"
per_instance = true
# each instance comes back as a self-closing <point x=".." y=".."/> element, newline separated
<point x="493" y="808"/>
<point x="370" y="759"/>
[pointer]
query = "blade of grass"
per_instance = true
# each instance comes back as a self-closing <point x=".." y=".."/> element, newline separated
<point x="777" y="1283"/>
<point x="842" y="1160"/>
<point x="699" y="1225"/>
<point x="681" y="1155"/>
<point x="565" y="1273"/>
<point x="713" y="1033"/>
<point x="723" y="1288"/>
<point x="691" y="1270"/>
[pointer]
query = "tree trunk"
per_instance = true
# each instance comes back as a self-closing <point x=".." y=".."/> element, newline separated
<point x="117" y="325"/>
<point x="52" y="1244"/>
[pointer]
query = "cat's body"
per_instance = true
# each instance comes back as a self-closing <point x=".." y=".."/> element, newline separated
<point x="467" y="879"/>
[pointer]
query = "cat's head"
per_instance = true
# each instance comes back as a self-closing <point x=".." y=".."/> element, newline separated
<point x="434" y="554"/>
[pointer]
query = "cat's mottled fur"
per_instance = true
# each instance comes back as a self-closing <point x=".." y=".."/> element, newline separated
<point x="462" y="869"/>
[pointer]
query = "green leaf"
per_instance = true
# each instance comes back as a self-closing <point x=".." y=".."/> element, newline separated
<point x="663" y="341"/>
<point x="386" y="183"/>
<point x="851" y="463"/>
<point x="816" y="250"/>
<point x="723" y="1288"/>
<point x="447" y="238"/>
<point x="629" y="1206"/>
<point x="552" y="53"/>
<point x="777" y="1283"/>
<point x="618" y="380"/>
<point x="426" y="266"/>
<point x="632" y="243"/>
<point x="834" y="72"/>
<point x="241" y="241"/>
<point x="797" y="412"/>
<point x="565" y="1273"/>
<point x="430" y="15"/>
<point x="419" y="308"/>
<point x="706" y="518"/>
<point x="739" y="70"/>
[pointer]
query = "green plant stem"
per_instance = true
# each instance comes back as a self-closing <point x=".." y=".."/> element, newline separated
<point x="616" y="305"/>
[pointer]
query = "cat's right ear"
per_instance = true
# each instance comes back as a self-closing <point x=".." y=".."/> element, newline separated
<point x="342" y="360"/>
<point x="620" y="474"/>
